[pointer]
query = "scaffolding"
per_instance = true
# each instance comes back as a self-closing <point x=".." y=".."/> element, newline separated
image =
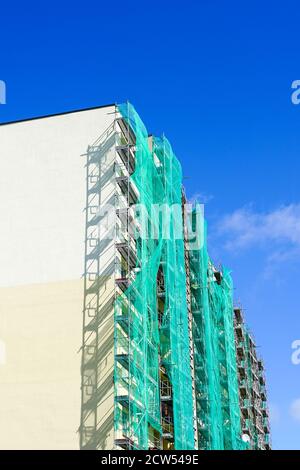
<point x="252" y="386"/>
<point x="144" y="340"/>
<point x="215" y="364"/>
<point x="161" y="363"/>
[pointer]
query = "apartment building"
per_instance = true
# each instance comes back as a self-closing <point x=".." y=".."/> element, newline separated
<point x="119" y="331"/>
<point x="252" y="387"/>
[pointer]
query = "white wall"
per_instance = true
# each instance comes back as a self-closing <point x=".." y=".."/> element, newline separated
<point x="42" y="197"/>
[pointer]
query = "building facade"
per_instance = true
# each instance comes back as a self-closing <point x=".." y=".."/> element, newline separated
<point x="156" y="306"/>
<point x="252" y="387"/>
<point x="42" y="188"/>
<point x="154" y="359"/>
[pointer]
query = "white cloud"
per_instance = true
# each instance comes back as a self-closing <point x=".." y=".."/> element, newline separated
<point x="274" y="414"/>
<point x="281" y="227"/>
<point x="295" y="409"/>
<point x="202" y="198"/>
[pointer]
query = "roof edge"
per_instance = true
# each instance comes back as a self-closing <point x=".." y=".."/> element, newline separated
<point x="56" y="114"/>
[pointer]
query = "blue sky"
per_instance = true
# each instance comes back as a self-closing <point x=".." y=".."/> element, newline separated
<point x="216" y="78"/>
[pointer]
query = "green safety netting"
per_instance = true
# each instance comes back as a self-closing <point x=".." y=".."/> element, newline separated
<point x="143" y="344"/>
<point x="146" y="344"/>
<point x="217" y="394"/>
<point x="174" y="335"/>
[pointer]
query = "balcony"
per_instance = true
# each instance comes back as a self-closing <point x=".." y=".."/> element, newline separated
<point x="245" y="405"/>
<point x="243" y="383"/>
<point x="218" y="275"/>
<point x="263" y="392"/>
<point x="264" y="408"/>
<point x="245" y="423"/>
<point x="239" y="331"/>
<point x="266" y="425"/>
<point x="128" y="351"/>
<point x="259" y="425"/>
<point x="128" y="189"/>
<point x="255" y="391"/>
<point x="167" y="427"/>
<point x="203" y="424"/>
<point x="154" y="443"/>
<point x="267" y="441"/>
<point x="124" y="442"/>
<point x="238" y="316"/>
<point x="126" y="154"/>
<point x="196" y="309"/>
<point x="165" y="390"/>
<point x="127" y="392"/>
<point x="240" y="349"/>
<point x="260" y="365"/>
<point x="126" y="134"/>
<point x="256" y="402"/>
<point x="127" y="249"/>
<point x="262" y="378"/>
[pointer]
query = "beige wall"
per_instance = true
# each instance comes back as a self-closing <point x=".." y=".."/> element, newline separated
<point x="40" y="378"/>
<point x="42" y="194"/>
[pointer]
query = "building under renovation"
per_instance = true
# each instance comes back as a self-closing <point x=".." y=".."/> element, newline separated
<point x="158" y="358"/>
